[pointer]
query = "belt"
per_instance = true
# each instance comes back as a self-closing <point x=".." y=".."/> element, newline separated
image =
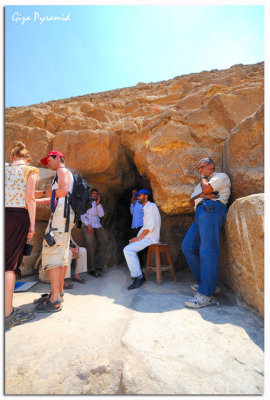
<point x="201" y="202"/>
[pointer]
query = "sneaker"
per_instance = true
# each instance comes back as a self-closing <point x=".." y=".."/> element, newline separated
<point x="195" y="286"/>
<point x="18" y="317"/>
<point x="199" y="300"/>
<point x="136" y="283"/>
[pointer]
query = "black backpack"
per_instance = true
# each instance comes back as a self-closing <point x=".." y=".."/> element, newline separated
<point x="80" y="199"/>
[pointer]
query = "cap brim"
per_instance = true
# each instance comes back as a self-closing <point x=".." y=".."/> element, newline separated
<point x="44" y="161"/>
<point x="142" y="193"/>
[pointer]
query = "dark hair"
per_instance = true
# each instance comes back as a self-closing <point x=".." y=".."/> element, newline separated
<point x="93" y="190"/>
<point x="20" y="151"/>
<point x="61" y="158"/>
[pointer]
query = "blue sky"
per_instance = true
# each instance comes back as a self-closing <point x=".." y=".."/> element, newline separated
<point x="100" y="48"/>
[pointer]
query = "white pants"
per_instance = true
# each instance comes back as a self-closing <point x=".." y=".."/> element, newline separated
<point x="81" y="262"/>
<point x="131" y="256"/>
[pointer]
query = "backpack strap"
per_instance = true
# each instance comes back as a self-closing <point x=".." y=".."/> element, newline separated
<point x="55" y="179"/>
<point x="53" y="207"/>
<point x="53" y="201"/>
<point x="67" y="213"/>
<point x="67" y="205"/>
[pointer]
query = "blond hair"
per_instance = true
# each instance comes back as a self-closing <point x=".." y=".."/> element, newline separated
<point x="20" y="151"/>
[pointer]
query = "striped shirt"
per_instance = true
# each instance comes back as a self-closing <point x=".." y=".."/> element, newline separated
<point x="93" y="215"/>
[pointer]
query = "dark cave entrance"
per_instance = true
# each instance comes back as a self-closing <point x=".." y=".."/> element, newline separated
<point x="123" y="217"/>
<point x="117" y="222"/>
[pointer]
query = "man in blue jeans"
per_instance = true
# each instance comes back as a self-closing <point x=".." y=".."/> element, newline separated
<point x="201" y="245"/>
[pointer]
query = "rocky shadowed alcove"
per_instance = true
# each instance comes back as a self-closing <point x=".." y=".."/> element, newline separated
<point x="159" y="131"/>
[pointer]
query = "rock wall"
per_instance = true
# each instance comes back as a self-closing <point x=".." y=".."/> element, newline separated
<point x="243" y="156"/>
<point x="244" y="271"/>
<point x="152" y="135"/>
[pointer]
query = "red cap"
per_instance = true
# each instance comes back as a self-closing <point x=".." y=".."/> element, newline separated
<point x="51" y="153"/>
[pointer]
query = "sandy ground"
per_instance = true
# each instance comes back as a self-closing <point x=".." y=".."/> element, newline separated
<point x="110" y="340"/>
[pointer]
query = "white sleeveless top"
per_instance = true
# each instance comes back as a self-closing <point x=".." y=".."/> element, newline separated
<point x="61" y="200"/>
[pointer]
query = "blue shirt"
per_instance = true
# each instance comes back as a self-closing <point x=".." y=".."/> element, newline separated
<point x="136" y="210"/>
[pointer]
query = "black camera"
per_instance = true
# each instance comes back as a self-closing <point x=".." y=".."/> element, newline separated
<point x="49" y="237"/>
<point x="27" y="249"/>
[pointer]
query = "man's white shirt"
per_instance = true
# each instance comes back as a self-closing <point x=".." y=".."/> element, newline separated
<point x="220" y="183"/>
<point x="151" y="221"/>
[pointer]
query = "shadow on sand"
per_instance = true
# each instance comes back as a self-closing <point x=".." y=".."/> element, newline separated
<point x="153" y="298"/>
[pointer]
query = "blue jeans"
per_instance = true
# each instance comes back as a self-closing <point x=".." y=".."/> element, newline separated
<point x="201" y="245"/>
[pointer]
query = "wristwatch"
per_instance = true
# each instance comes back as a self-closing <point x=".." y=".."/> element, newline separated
<point x="44" y="193"/>
<point x="203" y="177"/>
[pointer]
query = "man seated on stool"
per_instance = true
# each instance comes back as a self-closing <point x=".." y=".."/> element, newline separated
<point x="148" y="234"/>
<point x="80" y="255"/>
<point x="136" y="210"/>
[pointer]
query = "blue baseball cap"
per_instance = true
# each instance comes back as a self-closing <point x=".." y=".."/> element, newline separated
<point x="142" y="191"/>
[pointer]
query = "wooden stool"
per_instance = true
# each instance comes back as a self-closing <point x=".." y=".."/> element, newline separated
<point x="157" y="249"/>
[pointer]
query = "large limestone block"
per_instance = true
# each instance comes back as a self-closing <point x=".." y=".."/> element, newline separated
<point x="46" y="175"/>
<point x="96" y="113"/>
<point x="29" y="116"/>
<point x="77" y="123"/>
<point x="173" y="231"/>
<point x="245" y="238"/>
<point x="125" y="125"/>
<point x="231" y="108"/>
<point x="28" y="262"/>
<point x="37" y="140"/>
<point x="93" y="153"/>
<point x="243" y="157"/>
<point x="170" y="165"/>
<point x="54" y="121"/>
<point x="190" y="102"/>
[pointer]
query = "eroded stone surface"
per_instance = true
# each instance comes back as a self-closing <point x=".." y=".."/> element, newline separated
<point x="244" y="155"/>
<point x="110" y="340"/>
<point x="245" y="236"/>
<point x="104" y="135"/>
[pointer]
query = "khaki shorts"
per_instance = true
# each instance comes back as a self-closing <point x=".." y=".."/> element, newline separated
<point x="57" y="255"/>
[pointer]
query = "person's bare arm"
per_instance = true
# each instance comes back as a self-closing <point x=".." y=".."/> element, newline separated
<point x="208" y="196"/>
<point x="75" y="250"/>
<point x="206" y="187"/>
<point x="45" y="200"/>
<point x="133" y="198"/>
<point x="31" y="202"/>
<point x="62" y="191"/>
